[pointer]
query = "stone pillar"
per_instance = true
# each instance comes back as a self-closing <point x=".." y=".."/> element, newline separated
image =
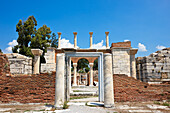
<point x="107" y="40"/>
<point x="91" y="74"/>
<point x="59" y="84"/>
<point x="133" y="66"/>
<point x="37" y="53"/>
<point x="91" y="41"/>
<point x="75" y="40"/>
<point x="133" y="62"/>
<point x="108" y="81"/>
<point x="59" y="40"/>
<point x="75" y="74"/>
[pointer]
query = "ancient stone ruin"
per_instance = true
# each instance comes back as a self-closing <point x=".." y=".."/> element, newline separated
<point x="4" y="65"/>
<point x="154" y="68"/>
<point x="19" y="64"/>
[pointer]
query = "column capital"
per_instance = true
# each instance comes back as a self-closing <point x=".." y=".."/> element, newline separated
<point x="37" y="52"/>
<point x="133" y="51"/>
<point x="59" y="33"/>
<point x="107" y="33"/>
<point x="75" y="33"/>
<point x="91" y="33"/>
<point x="91" y="64"/>
<point x="75" y="64"/>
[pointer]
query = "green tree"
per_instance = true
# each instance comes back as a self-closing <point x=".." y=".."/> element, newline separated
<point x="83" y="64"/>
<point x="54" y="41"/>
<point x="0" y="51"/>
<point x="42" y="38"/>
<point x="95" y="66"/>
<point x="26" y="30"/>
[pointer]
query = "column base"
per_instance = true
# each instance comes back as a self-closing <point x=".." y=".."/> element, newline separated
<point x="74" y="85"/>
<point x="91" y="85"/>
<point x="109" y="106"/>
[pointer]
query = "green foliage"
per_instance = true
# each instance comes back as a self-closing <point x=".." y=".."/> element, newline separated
<point x="83" y="63"/>
<point x="26" y="30"/>
<point x="0" y="51"/>
<point x="156" y="102"/>
<point x="81" y="71"/>
<point x="41" y="39"/>
<point x="65" y="106"/>
<point x="95" y="66"/>
<point x="165" y="104"/>
<point x="54" y="41"/>
<point x="29" y="37"/>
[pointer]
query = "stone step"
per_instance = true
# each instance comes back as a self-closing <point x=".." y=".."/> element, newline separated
<point x="83" y="93"/>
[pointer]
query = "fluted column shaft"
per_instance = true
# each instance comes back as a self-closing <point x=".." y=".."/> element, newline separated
<point x="75" y="74"/>
<point x="75" y="40"/>
<point x="107" y="40"/>
<point x="91" y="74"/>
<point x="91" y="40"/>
<point x="59" y="40"/>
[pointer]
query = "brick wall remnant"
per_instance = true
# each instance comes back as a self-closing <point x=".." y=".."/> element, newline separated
<point x="4" y="65"/>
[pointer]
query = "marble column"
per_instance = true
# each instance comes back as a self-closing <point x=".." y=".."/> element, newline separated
<point x="91" y="74"/>
<point x="133" y="62"/>
<point x="75" y="40"/>
<point x="59" y="40"/>
<point x="59" y="84"/>
<point x="37" y="53"/>
<point x="75" y="74"/>
<point x="91" y="40"/>
<point x="108" y="81"/>
<point x="107" y="40"/>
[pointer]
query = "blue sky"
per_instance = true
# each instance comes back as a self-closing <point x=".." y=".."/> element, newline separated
<point x="146" y="23"/>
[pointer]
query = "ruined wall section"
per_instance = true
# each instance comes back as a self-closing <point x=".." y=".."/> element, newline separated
<point x="155" y="67"/>
<point x="4" y="65"/>
<point x="19" y="64"/>
<point x="121" y="61"/>
<point x="123" y="58"/>
<point x="50" y="64"/>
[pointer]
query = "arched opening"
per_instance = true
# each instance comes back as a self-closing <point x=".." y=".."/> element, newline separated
<point x="86" y="85"/>
<point x="82" y="72"/>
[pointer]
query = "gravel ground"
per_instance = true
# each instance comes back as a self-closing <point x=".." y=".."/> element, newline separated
<point x="86" y="105"/>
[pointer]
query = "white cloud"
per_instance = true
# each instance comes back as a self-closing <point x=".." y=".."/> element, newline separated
<point x="142" y="47"/>
<point x="66" y="43"/>
<point x="160" y="47"/>
<point x="126" y="40"/>
<point x="99" y="45"/>
<point x="11" y="44"/>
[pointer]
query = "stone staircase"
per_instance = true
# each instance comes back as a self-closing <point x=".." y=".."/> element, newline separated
<point x="84" y="91"/>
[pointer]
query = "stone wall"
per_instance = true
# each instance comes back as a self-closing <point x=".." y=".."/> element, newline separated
<point x="4" y="65"/>
<point x="50" y="64"/>
<point x="123" y="56"/>
<point x="154" y="68"/>
<point x="19" y="64"/>
<point x="41" y="89"/>
<point x="121" y="61"/>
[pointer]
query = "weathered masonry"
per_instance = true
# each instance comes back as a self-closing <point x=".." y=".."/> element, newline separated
<point x="154" y="68"/>
<point x="117" y="59"/>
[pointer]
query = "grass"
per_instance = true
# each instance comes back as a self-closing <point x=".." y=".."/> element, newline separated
<point x="65" y="106"/>
<point x="80" y="97"/>
<point x="156" y="102"/>
<point x="165" y="104"/>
